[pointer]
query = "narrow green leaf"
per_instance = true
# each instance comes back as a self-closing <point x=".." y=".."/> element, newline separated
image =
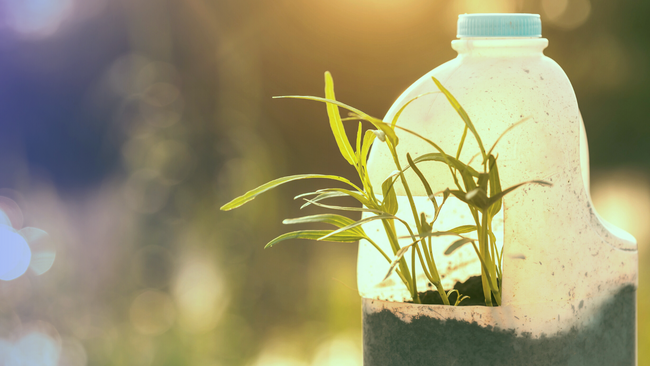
<point x="506" y="131"/>
<point x="417" y="171"/>
<point x="455" y="163"/>
<point x="478" y="198"/>
<point x="426" y="228"/>
<point x="399" y="112"/>
<point x="472" y="158"/>
<point x="356" y="195"/>
<point x="463" y="115"/>
<point x="464" y="229"/>
<point x="357" y="225"/>
<point x="453" y="291"/>
<point x="357" y="112"/>
<point x="379" y="134"/>
<point x="468" y="182"/>
<point x="467" y="172"/>
<point x="457" y="244"/>
<point x="461" y="143"/>
<point x="368" y="139"/>
<point x="435" y="146"/>
<point x="439" y="208"/>
<point x="250" y="195"/>
<point x="398" y="256"/>
<point x="460" y="299"/>
<point x="343" y="208"/>
<point x="493" y="237"/>
<point x="346" y="237"/>
<point x="388" y="132"/>
<point x="460" y="195"/>
<point x="306" y="194"/>
<point x="332" y="219"/>
<point x="426" y="185"/>
<point x="335" y="192"/>
<point x="378" y="123"/>
<point x="495" y="185"/>
<point x="432" y="234"/>
<point x="336" y="124"/>
<point x="445" y="194"/>
<point x="459" y="296"/>
<point x="482" y="182"/>
<point x="358" y="150"/>
<point x="322" y="196"/>
<point x="390" y="198"/>
<point x="498" y="197"/>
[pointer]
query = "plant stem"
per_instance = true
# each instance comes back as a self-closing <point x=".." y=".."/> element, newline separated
<point x="434" y="277"/>
<point x="484" y="252"/>
<point x="392" y="238"/>
<point x="416" y="296"/>
<point x="407" y="190"/>
<point x="431" y="263"/>
<point x="379" y="249"/>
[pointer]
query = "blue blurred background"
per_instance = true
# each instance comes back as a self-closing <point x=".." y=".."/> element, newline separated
<point x="126" y="124"/>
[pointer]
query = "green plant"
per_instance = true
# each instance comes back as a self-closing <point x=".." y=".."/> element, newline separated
<point x="481" y="191"/>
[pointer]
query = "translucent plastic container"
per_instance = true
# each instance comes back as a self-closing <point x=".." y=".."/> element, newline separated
<point x="561" y="260"/>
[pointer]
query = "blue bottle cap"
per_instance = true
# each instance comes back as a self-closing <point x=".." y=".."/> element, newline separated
<point x="499" y="25"/>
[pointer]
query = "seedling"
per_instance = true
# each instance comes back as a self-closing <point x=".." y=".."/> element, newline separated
<point x="481" y="191"/>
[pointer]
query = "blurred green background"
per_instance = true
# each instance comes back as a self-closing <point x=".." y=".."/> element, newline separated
<point x="126" y="124"/>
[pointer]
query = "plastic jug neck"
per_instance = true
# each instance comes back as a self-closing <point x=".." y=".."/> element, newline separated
<point x="498" y="34"/>
<point x="499" y="47"/>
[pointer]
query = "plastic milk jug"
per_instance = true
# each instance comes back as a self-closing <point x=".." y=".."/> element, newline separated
<point x="560" y="259"/>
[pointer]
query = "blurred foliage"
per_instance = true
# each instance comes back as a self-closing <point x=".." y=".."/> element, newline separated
<point x="127" y="125"/>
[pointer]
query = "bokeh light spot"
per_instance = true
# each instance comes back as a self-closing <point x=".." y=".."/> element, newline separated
<point x="277" y="360"/>
<point x="5" y="350"/>
<point x="200" y="294"/>
<point x="15" y="254"/>
<point x="4" y="219"/>
<point x="623" y="199"/>
<point x="282" y="347"/>
<point x="42" y="247"/>
<point x="34" y="349"/>
<point x="553" y="9"/>
<point x="36" y="17"/>
<point x="12" y="211"/>
<point x="566" y="14"/>
<point x="342" y="350"/>
<point x="152" y="312"/>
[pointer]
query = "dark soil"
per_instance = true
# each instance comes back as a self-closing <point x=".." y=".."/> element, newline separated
<point x="472" y="288"/>
<point x="610" y="340"/>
